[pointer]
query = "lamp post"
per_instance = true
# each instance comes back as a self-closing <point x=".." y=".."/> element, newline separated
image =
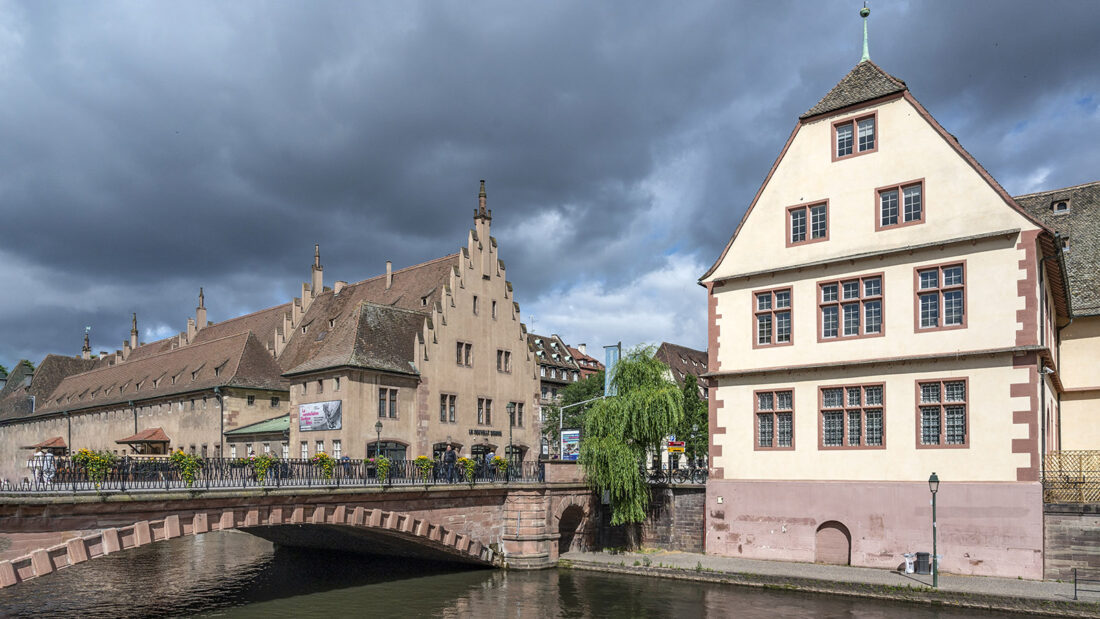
<point x="378" y="443"/>
<point x="934" y="486"/>
<point x="509" y="454"/>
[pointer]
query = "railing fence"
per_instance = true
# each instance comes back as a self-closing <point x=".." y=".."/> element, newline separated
<point x="1071" y="477"/>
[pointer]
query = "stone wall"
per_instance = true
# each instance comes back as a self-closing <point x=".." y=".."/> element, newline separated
<point x="674" y="522"/>
<point x="1071" y="539"/>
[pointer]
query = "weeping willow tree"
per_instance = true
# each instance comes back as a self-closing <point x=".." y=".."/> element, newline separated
<point x="620" y="430"/>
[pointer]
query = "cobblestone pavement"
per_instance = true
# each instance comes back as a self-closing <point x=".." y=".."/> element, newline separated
<point x="1048" y="597"/>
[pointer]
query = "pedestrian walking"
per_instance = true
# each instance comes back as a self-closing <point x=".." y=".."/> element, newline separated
<point x="449" y="459"/>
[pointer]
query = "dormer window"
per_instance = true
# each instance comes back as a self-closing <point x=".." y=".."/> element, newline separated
<point x="1060" y="206"/>
<point x="854" y="136"/>
<point x="1065" y="243"/>
<point x="331" y="323"/>
<point x="304" y="328"/>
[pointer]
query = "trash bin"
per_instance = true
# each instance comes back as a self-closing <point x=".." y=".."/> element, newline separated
<point x="924" y="566"/>
<point x="908" y="562"/>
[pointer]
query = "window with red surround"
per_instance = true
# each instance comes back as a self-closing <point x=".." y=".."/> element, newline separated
<point x="773" y="419"/>
<point x="852" y="416"/>
<point x="899" y="205"/>
<point x="771" y="317"/>
<point x="942" y="419"/>
<point x="808" y="223"/>
<point x="850" y="308"/>
<point x="940" y="296"/>
<point x="855" y="136"/>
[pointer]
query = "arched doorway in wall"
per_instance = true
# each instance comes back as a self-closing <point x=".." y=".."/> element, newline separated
<point x="391" y="449"/>
<point x="833" y="544"/>
<point x="569" y="527"/>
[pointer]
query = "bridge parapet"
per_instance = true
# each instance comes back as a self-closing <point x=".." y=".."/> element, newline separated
<point x="514" y="526"/>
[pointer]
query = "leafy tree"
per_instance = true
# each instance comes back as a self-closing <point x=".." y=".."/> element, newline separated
<point x="620" y="430"/>
<point x="3" y="370"/>
<point x="693" y="430"/>
<point x="30" y="366"/>
<point x="574" y="393"/>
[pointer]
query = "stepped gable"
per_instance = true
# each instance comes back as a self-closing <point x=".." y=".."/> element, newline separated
<point x="867" y="81"/>
<point x="236" y="361"/>
<point x="1081" y="224"/>
<point x="262" y="324"/>
<point x="376" y="337"/>
<point x="682" y="360"/>
<point x="417" y="288"/>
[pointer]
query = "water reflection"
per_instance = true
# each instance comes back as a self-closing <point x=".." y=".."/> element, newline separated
<point x="233" y="574"/>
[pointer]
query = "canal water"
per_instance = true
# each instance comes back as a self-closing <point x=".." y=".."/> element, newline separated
<point x="233" y="574"/>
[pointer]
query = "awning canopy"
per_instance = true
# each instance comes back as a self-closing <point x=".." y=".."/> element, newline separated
<point x="275" y="425"/>
<point x="51" y="443"/>
<point x="149" y="435"/>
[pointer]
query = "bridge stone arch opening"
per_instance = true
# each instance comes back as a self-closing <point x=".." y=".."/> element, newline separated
<point x="476" y="527"/>
<point x="574" y="524"/>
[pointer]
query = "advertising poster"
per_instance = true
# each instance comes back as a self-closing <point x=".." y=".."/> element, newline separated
<point x="319" y="416"/>
<point x="570" y="444"/>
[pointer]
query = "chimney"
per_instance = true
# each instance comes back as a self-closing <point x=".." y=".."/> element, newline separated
<point x="340" y="285"/>
<point x="86" y="352"/>
<point x="583" y="348"/>
<point x="389" y="274"/>
<point x="133" y="332"/>
<point x="190" y="330"/>
<point x="200" y="316"/>
<point x="318" y="280"/>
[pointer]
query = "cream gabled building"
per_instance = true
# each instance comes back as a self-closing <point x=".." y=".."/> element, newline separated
<point x="435" y="352"/>
<point x="883" y="311"/>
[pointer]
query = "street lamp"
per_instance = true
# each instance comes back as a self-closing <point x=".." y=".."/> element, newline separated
<point x="934" y="486"/>
<point x="511" y="422"/>
<point x="378" y="443"/>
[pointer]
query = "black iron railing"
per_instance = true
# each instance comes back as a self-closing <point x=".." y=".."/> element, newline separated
<point x="1071" y="477"/>
<point x="684" y="475"/>
<point x="136" y="474"/>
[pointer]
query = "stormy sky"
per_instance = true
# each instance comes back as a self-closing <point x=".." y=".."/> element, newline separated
<point x="149" y="148"/>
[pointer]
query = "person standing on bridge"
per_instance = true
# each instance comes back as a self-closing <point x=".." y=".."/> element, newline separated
<point x="449" y="459"/>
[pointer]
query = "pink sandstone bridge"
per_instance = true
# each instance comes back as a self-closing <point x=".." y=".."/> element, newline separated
<point x="518" y="526"/>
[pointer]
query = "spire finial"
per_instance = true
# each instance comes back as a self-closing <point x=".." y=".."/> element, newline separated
<point x="481" y="198"/>
<point x="133" y="324"/>
<point x="87" y="345"/>
<point x="317" y="255"/>
<point x="864" y="12"/>
<point x="202" y="299"/>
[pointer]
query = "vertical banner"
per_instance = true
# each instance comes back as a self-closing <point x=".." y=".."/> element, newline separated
<point x="570" y="444"/>
<point x="611" y="359"/>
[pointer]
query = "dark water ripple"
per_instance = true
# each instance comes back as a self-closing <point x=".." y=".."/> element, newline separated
<point x="233" y="574"/>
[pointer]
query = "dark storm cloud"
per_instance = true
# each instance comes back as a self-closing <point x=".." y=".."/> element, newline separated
<point x="148" y="149"/>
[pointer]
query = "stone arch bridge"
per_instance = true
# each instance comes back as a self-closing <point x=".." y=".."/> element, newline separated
<point x="519" y="526"/>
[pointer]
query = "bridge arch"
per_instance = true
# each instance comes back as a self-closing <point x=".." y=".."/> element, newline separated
<point x="573" y="522"/>
<point x="400" y="533"/>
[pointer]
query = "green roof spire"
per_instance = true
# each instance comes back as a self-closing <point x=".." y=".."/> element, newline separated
<point x="864" y="12"/>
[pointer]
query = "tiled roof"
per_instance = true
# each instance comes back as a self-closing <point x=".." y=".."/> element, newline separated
<point x="15" y="398"/>
<point x="51" y="443"/>
<point x="865" y="82"/>
<point x="682" y="360"/>
<point x="262" y="324"/>
<point x="267" y="426"/>
<point x="1082" y="225"/>
<point x="579" y="356"/>
<point x="417" y="288"/>
<point x="549" y="347"/>
<point x="239" y="361"/>
<point x="148" y="435"/>
<point x="376" y="337"/>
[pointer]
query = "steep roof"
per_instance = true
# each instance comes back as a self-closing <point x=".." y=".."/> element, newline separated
<point x="579" y="356"/>
<point x="1081" y="224"/>
<point x="682" y="360"/>
<point x="239" y="360"/>
<point x="417" y="288"/>
<point x="865" y="82"/>
<point x="545" y="349"/>
<point x="376" y="337"/>
<point x="16" y="397"/>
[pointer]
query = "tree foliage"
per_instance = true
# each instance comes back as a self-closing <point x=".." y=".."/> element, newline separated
<point x="619" y="430"/>
<point x="580" y="391"/>
<point x="693" y="429"/>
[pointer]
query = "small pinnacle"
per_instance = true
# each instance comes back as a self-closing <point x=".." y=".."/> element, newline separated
<point x="864" y="12"/>
<point x="201" y="298"/>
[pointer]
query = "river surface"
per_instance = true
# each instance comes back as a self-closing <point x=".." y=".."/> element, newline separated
<point x="233" y="574"/>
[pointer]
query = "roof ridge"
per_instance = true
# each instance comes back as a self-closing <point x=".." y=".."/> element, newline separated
<point x="408" y="268"/>
<point x="167" y="352"/>
<point x="1056" y="190"/>
<point x="392" y="307"/>
<point x="259" y="311"/>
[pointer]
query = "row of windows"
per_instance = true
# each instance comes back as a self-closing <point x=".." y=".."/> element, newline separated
<point x="854" y="416"/>
<point x="319" y="385"/>
<point x="448" y="403"/>
<point x="555" y="373"/>
<point x="855" y="307"/>
<point x="896" y="206"/>
<point x="199" y="404"/>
